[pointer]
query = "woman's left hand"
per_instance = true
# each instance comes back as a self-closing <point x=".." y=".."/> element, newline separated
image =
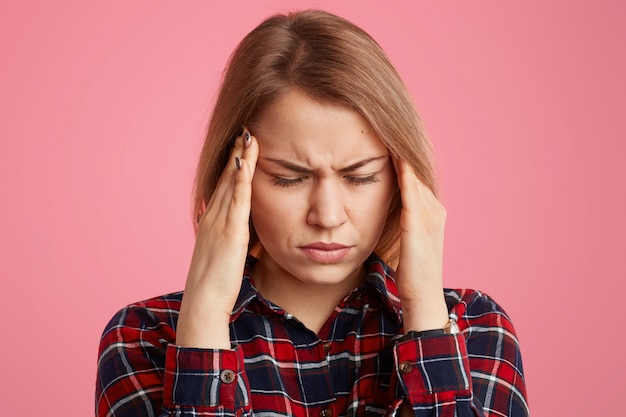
<point x="419" y="273"/>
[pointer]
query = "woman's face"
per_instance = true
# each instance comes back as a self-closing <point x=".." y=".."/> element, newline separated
<point x="321" y="190"/>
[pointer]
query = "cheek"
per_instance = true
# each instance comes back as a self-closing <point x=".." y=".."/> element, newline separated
<point x="261" y="211"/>
<point x="372" y="210"/>
<point x="261" y="195"/>
<point x="375" y="202"/>
<point x="261" y="217"/>
<point x="271" y="208"/>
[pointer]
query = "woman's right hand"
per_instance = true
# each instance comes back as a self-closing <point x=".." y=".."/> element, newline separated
<point x="219" y="255"/>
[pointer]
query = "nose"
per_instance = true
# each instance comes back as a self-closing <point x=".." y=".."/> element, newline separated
<point x="327" y="207"/>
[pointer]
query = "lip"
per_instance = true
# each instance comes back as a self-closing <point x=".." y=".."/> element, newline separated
<point x="326" y="252"/>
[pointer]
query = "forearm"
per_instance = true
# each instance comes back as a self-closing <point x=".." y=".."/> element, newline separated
<point x="219" y="255"/>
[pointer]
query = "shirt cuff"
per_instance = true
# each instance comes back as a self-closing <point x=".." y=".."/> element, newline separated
<point x="433" y="368"/>
<point x="204" y="378"/>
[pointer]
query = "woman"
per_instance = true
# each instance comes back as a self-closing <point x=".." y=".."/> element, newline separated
<point x="314" y="181"/>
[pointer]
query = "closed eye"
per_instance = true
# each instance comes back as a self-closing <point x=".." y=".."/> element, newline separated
<point x="362" y="180"/>
<point x="290" y="182"/>
<point x="287" y="182"/>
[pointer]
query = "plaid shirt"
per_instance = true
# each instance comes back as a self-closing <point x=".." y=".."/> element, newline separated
<point x="355" y="366"/>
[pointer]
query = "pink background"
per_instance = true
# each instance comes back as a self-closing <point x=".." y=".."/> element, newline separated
<point x="102" y="110"/>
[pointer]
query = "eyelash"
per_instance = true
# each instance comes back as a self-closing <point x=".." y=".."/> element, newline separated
<point x="363" y="180"/>
<point x="285" y="182"/>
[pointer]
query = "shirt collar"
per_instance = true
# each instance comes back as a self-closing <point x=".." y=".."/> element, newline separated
<point x="380" y="277"/>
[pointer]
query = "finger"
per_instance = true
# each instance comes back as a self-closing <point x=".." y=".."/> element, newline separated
<point x="406" y="175"/>
<point x="245" y="154"/>
<point x="251" y="151"/>
<point x="235" y="146"/>
<point x="238" y="145"/>
<point x="407" y="181"/>
<point x="243" y="157"/>
<point x="238" y="213"/>
<point x="415" y="194"/>
<point x="223" y="189"/>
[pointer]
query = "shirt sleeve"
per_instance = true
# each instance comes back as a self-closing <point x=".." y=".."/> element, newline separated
<point x="205" y="382"/>
<point x="140" y="373"/>
<point x="477" y="372"/>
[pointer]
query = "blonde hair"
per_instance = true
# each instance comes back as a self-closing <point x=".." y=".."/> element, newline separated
<point x="334" y="61"/>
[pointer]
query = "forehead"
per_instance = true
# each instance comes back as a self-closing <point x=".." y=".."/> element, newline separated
<point x="296" y="126"/>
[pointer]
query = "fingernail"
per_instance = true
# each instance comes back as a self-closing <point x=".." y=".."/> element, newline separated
<point x="246" y="139"/>
<point x="238" y="162"/>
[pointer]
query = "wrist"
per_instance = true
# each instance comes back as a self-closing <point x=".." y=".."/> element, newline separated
<point x="425" y="313"/>
<point x="451" y="327"/>
<point x="412" y="334"/>
<point x="203" y="331"/>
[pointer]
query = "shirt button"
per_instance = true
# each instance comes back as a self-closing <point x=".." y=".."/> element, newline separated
<point x="405" y="367"/>
<point x="227" y="376"/>
<point x="327" y="347"/>
<point x="326" y="412"/>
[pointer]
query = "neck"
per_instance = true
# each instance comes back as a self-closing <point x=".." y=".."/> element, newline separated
<point x="311" y="303"/>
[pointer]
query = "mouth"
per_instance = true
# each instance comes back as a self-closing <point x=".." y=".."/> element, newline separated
<point x="326" y="252"/>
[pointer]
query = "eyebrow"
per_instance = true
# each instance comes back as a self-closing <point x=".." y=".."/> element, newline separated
<point x="303" y="170"/>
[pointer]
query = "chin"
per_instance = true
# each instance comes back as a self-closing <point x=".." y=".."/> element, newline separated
<point x="325" y="274"/>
